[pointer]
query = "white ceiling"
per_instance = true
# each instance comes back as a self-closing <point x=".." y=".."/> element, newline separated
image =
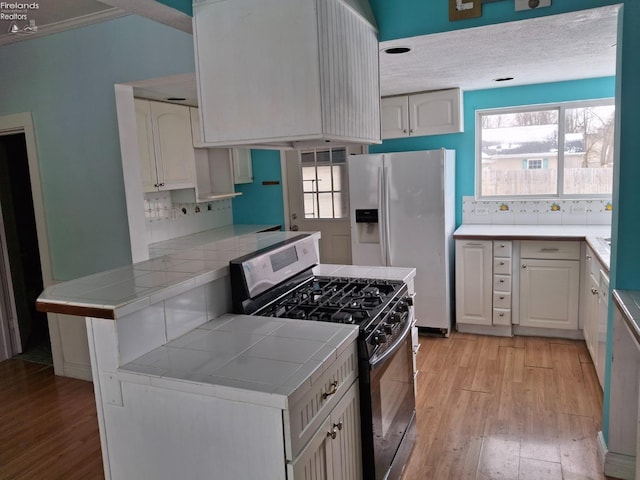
<point x="553" y="48"/>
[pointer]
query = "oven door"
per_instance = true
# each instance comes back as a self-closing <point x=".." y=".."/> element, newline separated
<point x="392" y="404"/>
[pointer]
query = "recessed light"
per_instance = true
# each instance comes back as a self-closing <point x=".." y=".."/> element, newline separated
<point x="176" y="99"/>
<point x="396" y="50"/>
<point x="503" y="79"/>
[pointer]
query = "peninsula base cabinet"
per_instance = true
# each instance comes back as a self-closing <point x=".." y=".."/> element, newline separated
<point x="205" y="430"/>
<point x="334" y="452"/>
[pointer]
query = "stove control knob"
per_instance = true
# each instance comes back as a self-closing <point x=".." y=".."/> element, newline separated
<point x="382" y="337"/>
<point x="394" y="318"/>
<point x="388" y="328"/>
<point x="374" y="340"/>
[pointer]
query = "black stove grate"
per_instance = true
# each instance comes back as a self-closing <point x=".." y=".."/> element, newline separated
<point x="335" y="299"/>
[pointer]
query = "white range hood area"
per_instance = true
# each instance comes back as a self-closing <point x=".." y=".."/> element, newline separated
<point x="286" y="73"/>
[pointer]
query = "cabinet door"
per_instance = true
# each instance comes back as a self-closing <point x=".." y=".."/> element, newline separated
<point x="242" y="168"/>
<point x="145" y="146"/>
<point x="474" y="282"/>
<point x="434" y="113"/>
<point x="394" y="117"/>
<point x="346" y="450"/>
<point x="590" y="327"/>
<point x="175" y="159"/>
<point x="549" y="293"/>
<point x="314" y="462"/>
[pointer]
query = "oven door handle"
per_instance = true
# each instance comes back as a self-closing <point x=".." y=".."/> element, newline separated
<point x="376" y="361"/>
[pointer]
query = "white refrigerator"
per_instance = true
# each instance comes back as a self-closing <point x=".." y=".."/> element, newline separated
<point x="402" y="210"/>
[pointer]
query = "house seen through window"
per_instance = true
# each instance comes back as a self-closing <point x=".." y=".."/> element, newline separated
<point x="324" y="183"/>
<point x="551" y="150"/>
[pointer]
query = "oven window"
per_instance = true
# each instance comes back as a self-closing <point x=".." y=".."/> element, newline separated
<point x="392" y="405"/>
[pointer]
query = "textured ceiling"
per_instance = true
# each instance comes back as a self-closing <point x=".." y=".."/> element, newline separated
<point x="561" y="47"/>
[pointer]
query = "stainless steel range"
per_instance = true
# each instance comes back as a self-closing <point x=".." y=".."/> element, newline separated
<point x="279" y="282"/>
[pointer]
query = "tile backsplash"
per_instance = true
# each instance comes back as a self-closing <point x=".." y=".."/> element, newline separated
<point x="537" y="212"/>
<point x="166" y="219"/>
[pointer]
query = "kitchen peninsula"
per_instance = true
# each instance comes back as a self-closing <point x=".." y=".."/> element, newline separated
<point x="180" y="383"/>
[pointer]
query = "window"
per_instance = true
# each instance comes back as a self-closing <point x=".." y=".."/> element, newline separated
<point x="324" y="183"/>
<point x="551" y="150"/>
<point x="534" y="163"/>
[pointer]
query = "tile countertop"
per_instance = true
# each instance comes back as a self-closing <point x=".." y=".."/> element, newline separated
<point x="629" y="303"/>
<point x="245" y="358"/>
<point x="593" y="234"/>
<point x="177" y="245"/>
<point x="122" y="291"/>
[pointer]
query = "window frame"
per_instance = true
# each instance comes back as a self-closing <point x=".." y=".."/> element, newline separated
<point x="562" y="107"/>
<point x="344" y="181"/>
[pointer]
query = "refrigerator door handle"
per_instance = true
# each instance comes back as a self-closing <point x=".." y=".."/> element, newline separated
<point x="385" y="215"/>
<point x="382" y="219"/>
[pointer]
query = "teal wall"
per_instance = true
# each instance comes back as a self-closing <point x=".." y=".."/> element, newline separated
<point x="261" y="204"/>
<point x="66" y="80"/>
<point x="464" y="143"/>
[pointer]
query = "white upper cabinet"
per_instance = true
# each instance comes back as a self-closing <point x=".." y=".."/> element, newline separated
<point x="286" y="73"/>
<point x="165" y="146"/>
<point x="429" y="113"/>
<point x="242" y="167"/>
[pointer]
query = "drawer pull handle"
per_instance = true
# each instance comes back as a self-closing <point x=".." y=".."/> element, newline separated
<point x="332" y="390"/>
<point x="502" y="280"/>
<point x="472" y="244"/>
<point x="501" y="314"/>
<point x="332" y="433"/>
<point x="588" y="257"/>
<point x="337" y="425"/>
<point x="501" y="263"/>
<point x="501" y="297"/>
<point x="549" y="249"/>
<point x="594" y="291"/>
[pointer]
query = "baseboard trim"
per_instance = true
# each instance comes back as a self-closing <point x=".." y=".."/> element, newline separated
<point x="76" y="370"/>
<point x="616" y="465"/>
<point x="496" y="330"/>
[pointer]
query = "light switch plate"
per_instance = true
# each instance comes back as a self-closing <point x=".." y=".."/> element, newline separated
<point x="531" y="4"/>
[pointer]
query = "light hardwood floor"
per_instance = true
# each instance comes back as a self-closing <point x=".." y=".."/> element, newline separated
<point x="506" y="408"/>
<point x="488" y="408"/>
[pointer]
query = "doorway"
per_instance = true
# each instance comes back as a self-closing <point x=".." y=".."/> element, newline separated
<point x="318" y="198"/>
<point x="20" y="268"/>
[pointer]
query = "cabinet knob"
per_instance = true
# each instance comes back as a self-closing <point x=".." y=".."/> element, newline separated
<point x="524" y="265"/>
<point x="501" y="263"/>
<point x="588" y="257"/>
<point x="501" y="297"/>
<point x="502" y="280"/>
<point x="338" y="425"/>
<point x="501" y="314"/>
<point x="411" y="130"/>
<point x="332" y="433"/>
<point x="594" y="291"/>
<point x="404" y="130"/>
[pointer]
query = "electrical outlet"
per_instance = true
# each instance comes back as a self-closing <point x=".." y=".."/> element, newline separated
<point x="578" y="209"/>
<point x="482" y="211"/>
<point x="531" y="4"/>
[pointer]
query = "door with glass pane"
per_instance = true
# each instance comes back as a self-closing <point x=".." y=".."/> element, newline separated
<point x="318" y="194"/>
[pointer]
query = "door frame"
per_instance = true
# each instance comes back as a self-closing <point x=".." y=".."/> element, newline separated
<point x="22" y="123"/>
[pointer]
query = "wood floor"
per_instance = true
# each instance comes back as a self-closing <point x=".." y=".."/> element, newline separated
<point x="506" y="408"/>
<point x="488" y="408"/>
<point x="48" y="425"/>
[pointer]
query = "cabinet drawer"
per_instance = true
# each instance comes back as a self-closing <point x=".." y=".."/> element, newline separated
<point x="502" y="248"/>
<point x="308" y="409"/>
<point x="501" y="316"/>
<point x="550" y="249"/>
<point x="502" y="266"/>
<point x="501" y="300"/>
<point x="502" y="283"/>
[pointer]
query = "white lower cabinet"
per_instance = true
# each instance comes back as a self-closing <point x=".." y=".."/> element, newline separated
<point x="334" y="452"/>
<point x="549" y="293"/>
<point x="474" y="282"/>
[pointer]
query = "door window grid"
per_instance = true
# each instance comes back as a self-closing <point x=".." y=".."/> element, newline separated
<point x="324" y="185"/>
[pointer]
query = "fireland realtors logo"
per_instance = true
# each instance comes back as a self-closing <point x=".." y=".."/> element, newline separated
<point x="17" y="14"/>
